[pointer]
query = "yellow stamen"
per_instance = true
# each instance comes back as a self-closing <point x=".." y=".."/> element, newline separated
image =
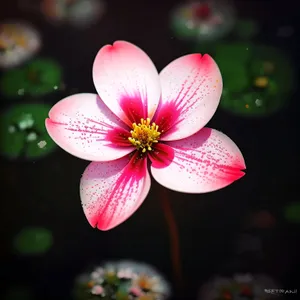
<point x="144" y="135"/>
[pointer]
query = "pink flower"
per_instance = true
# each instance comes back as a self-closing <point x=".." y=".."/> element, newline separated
<point x="97" y="290"/>
<point x="174" y="107"/>
<point x="135" y="290"/>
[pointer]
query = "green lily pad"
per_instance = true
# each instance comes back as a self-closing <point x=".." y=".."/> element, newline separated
<point x="251" y="103"/>
<point x="19" y="293"/>
<point x="23" y="133"/>
<point x="258" y="85"/>
<point x="292" y="212"/>
<point x="257" y="68"/>
<point x="283" y="71"/>
<point x="226" y="98"/>
<point x="43" y="76"/>
<point x="33" y="241"/>
<point x="272" y="88"/>
<point x="246" y="28"/>
<point x="235" y="76"/>
<point x="13" y="83"/>
<point x="260" y="67"/>
<point x="240" y="53"/>
<point x="38" y="78"/>
<point x="232" y="60"/>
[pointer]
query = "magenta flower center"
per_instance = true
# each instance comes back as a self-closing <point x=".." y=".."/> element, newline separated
<point x="144" y="135"/>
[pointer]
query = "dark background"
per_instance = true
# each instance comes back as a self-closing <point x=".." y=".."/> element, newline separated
<point x="46" y="192"/>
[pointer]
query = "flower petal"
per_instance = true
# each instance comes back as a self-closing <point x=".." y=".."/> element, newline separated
<point x="207" y="161"/>
<point x="83" y="126"/>
<point x="127" y="81"/>
<point x="161" y="156"/>
<point x="191" y="90"/>
<point x="112" y="191"/>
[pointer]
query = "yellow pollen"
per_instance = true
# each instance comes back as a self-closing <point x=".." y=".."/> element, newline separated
<point x="144" y="135"/>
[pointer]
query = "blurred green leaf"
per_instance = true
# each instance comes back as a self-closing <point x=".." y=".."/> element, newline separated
<point x="235" y="76"/>
<point x="292" y="212"/>
<point x="233" y="52"/>
<point x="284" y="73"/>
<point x="239" y="71"/>
<point x="43" y="75"/>
<point x="13" y="83"/>
<point x="257" y="67"/>
<point x="33" y="240"/>
<point x="37" y="78"/>
<point x="14" y="141"/>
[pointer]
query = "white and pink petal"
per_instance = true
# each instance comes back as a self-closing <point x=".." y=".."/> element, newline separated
<point x="83" y="126"/>
<point x="205" y="162"/>
<point x="112" y="191"/>
<point x="127" y="81"/>
<point x="191" y="90"/>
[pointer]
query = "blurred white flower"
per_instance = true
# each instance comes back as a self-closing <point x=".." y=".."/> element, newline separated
<point x="144" y="280"/>
<point x="125" y="273"/>
<point x="243" y="278"/>
<point x="19" y="42"/>
<point x="99" y="270"/>
<point x="97" y="277"/>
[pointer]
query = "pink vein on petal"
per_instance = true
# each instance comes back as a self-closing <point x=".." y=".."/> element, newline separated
<point x="119" y="137"/>
<point x="181" y="103"/>
<point x="166" y="117"/>
<point x="161" y="156"/>
<point x="204" y="162"/>
<point x="134" y="108"/>
<point x="112" y="191"/>
<point x="123" y="70"/>
<point x="213" y="167"/>
<point x="194" y="84"/>
<point x="83" y="126"/>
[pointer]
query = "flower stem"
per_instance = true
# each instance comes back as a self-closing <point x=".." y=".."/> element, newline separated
<point x="174" y="238"/>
